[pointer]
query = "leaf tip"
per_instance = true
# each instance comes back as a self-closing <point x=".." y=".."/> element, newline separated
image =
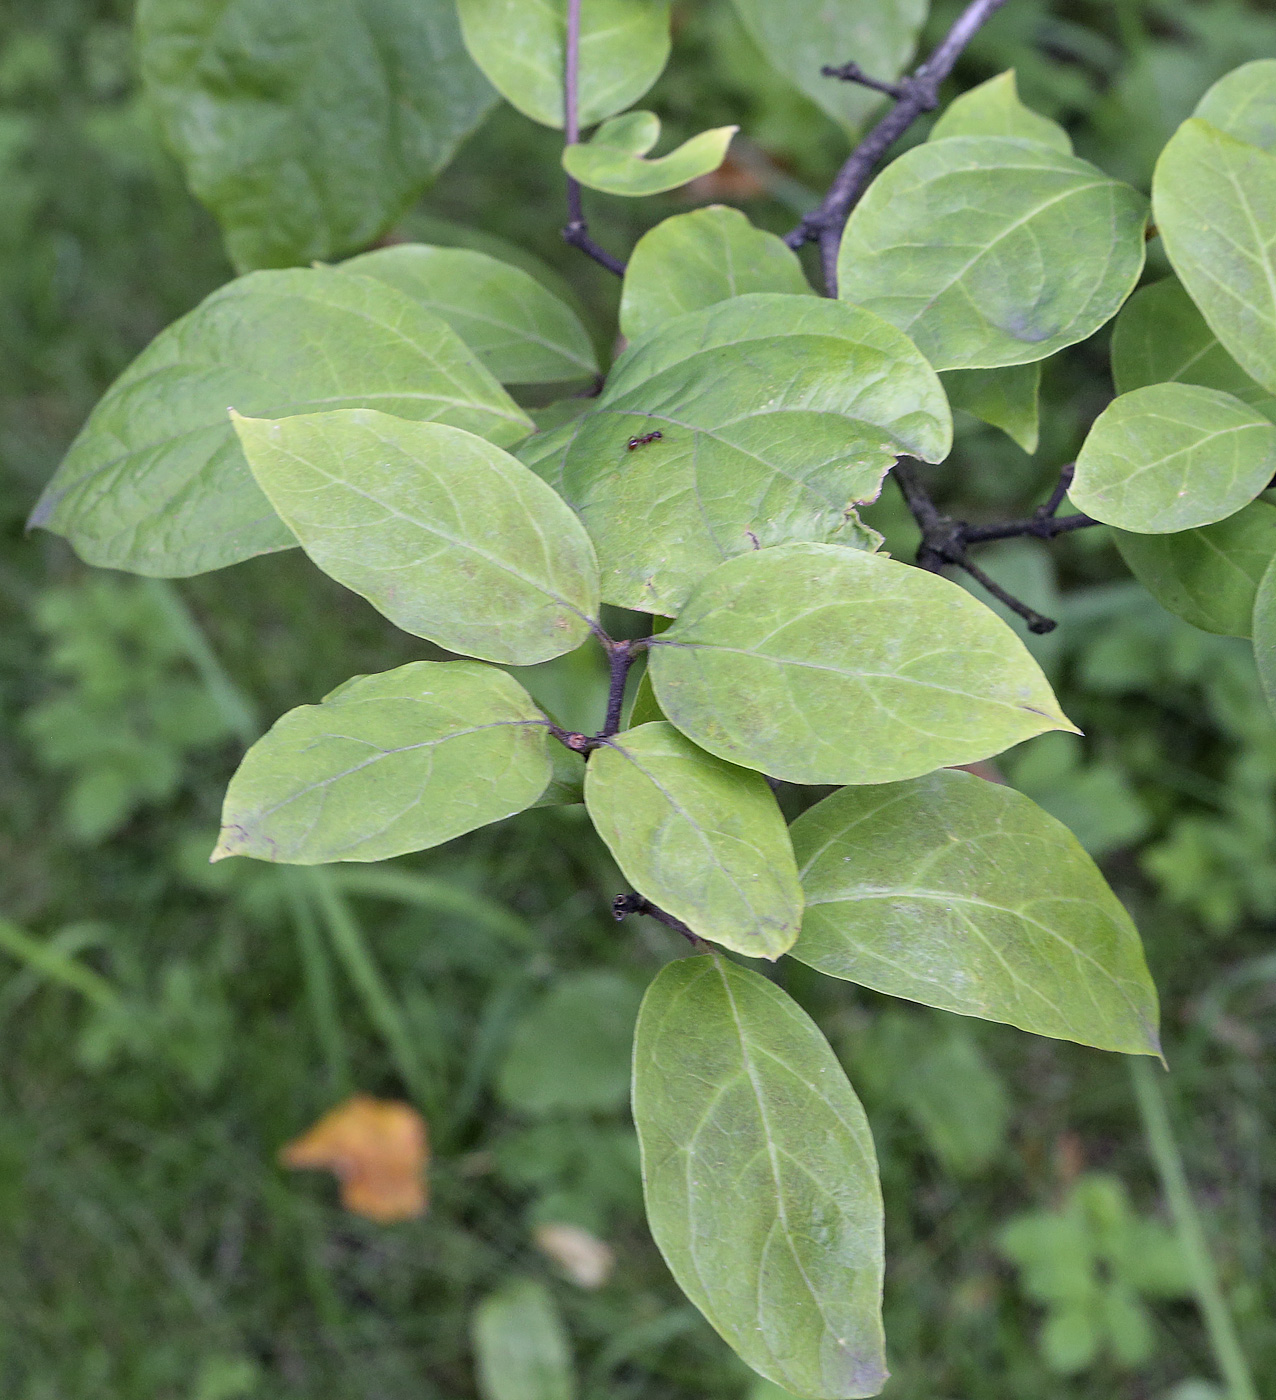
<point x="231" y="841"/>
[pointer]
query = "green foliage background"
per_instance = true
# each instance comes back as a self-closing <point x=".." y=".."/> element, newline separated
<point x="149" y="1245"/>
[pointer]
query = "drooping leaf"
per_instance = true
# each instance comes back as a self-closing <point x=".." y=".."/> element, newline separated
<point x="800" y="38"/>
<point x="388" y="764"/>
<point x="1264" y="632"/>
<point x="308" y="129"/>
<point x="820" y="664"/>
<point x="1209" y="577"/>
<point x="760" y="1177"/>
<point x="646" y="708"/>
<point x="701" y="838"/>
<point x="377" y="1149"/>
<point x="990" y="251"/>
<point x="615" y="159"/>
<point x="521" y="45"/>
<point x="1214" y="203"/>
<point x="156" y="482"/>
<point x="519" y="330"/>
<point x="994" y="109"/>
<point x="567" y="786"/>
<point x="691" y="261"/>
<point x="521" y="1347"/>
<point x="1171" y="457"/>
<point x="1160" y="337"/>
<point x="1008" y="398"/>
<point x="447" y="535"/>
<point x="777" y="415"/>
<point x="570" y="1051"/>
<point x="1243" y="103"/>
<point x="963" y="894"/>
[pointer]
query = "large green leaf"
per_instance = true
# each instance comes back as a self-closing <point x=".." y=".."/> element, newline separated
<point x="1214" y="202"/>
<point x="992" y="251"/>
<point x="964" y="894"/>
<point x="521" y="1346"/>
<point x="827" y="665"/>
<point x="616" y="159"/>
<point x="1264" y="631"/>
<point x="156" y="482"/>
<point x="308" y="129"/>
<point x="523" y="333"/>
<point x="1171" y="457"/>
<point x="388" y="764"/>
<point x="1243" y="103"/>
<point x="448" y="536"/>
<point x="1208" y="576"/>
<point x="994" y="109"/>
<point x="760" y="1177"/>
<point x="701" y="838"/>
<point x="778" y="414"/>
<point x="801" y="37"/>
<point x="521" y="46"/>
<point x="691" y="261"/>
<point x="1008" y="398"/>
<point x="1161" y="337"/>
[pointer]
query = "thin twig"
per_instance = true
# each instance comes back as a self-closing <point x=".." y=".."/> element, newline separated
<point x="917" y="94"/>
<point x="625" y="904"/>
<point x="577" y="230"/>
<point x="622" y="659"/>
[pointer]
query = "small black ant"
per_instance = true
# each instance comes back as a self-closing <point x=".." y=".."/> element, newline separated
<point x="643" y="441"/>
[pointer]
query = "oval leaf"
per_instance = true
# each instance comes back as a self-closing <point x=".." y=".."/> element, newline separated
<point x="1008" y="398"/>
<point x="388" y="764"/>
<point x="800" y="37"/>
<point x="994" y="109"/>
<point x="1214" y="203"/>
<point x="1264" y="630"/>
<point x="1209" y="577"/>
<point x="615" y="159"/>
<point x="521" y="46"/>
<point x="701" y="838"/>
<point x="760" y="1177"/>
<point x="993" y="251"/>
<point x="521" y="331"/>
<point x="308" y="129"/>
<point x="1171" y="457"/>
<point x="963" y="894"/>
<point x="156" y="482"/>
<point x="695" y="260"/>
<point x="1243" y="103"/>
<point x="448" y="536"/>
<point x="827" y="665"/>
<point x="1160" y="337"/>
<point x="777" y="415"/>
<point x="521" y="1346"/>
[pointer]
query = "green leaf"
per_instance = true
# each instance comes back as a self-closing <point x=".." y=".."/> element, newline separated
<point x="646" y="708"/>
<point x="1160" y="337"/>
<point x="156" y="482"/>
<point x="1243" y="103"/>
<point x="827" y="665"/>
<point x="992" y="251"/>
<point x="308" y="129"/>
<point x="963" y="894"/>
<point x="388" y="764"/>
<point x="521" y="46"/>
<point x="760" y="1177"/>
<point x="448" y="536"/>
<point x="1171" y="457"/>
<point x="1264" y="630"/>
<point x="994" y="109"/>
<point x="1209" y="577"/>
<point x="521" y="1346"/>
<point x="1008" y="398"/>
<point x="691" y="261"/>
<point x="615" y="160"/>
<point x="701" y="838"/>
<point x="570" y="1051"/>
<point x="801" y="37"/>
<point x="520" y="331"/>
<point x="777" y="414"/>
<point x="1214" y="203"/>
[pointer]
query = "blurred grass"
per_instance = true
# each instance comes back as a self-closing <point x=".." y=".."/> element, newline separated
<point x="151" y="1249"/>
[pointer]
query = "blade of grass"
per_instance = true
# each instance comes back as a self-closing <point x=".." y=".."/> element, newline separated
<point x="439" y="896"/>
<point x="58" y="966"/>
<point x="320" y="993"/>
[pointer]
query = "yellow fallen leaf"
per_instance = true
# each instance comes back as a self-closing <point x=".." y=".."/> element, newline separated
<point x="584" y="1258"/>
<point x="377" y="1149"/>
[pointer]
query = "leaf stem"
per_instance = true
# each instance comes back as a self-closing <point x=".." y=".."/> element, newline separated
<point x="576" y="231"/>
<point x="621" y="659"/>
<point x="1164" y="1151"/>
